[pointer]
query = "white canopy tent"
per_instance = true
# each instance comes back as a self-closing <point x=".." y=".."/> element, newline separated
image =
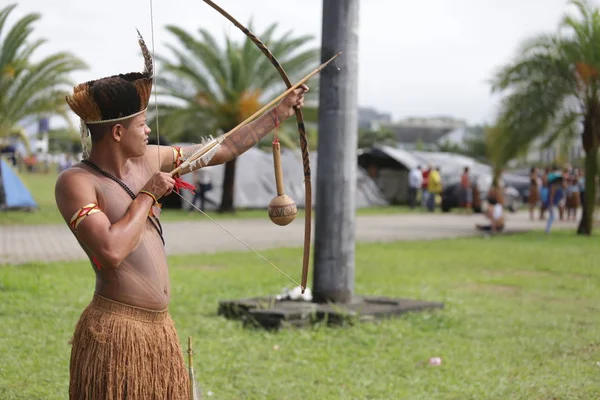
<point x="255" y="181"/>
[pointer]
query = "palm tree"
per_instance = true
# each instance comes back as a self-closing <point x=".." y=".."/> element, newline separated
<point x="30" y="89"/>
<point x="212" y="89"/>
<point x="554" y="96"/>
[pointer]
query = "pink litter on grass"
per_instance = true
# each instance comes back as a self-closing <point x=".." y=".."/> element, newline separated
<point x="435" y="361"/>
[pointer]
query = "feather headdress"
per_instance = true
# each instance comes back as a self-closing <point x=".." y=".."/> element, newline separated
<point x="114" y="98"/>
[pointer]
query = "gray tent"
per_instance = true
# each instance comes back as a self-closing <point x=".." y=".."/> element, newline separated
<point x="255" y="181"/>
<point x="389" y="167"/>
<point x="394" y="163"/>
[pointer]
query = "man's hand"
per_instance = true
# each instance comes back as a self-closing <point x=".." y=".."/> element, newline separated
<point x="161" y="184"/>
<point x="285" y="108"/>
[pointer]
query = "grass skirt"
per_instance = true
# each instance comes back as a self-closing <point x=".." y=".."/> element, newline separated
<point x="123" y="352"/>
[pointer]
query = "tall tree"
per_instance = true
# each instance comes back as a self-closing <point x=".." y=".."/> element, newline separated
<point x="30" y="89"/>
<point x="369" y="138"/>
<point x="211" y="89"/>
<point x="333" y="278"/>
<point x="554" y="95"/>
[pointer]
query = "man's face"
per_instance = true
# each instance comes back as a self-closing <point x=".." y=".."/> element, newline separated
<point x="135" y="136"/>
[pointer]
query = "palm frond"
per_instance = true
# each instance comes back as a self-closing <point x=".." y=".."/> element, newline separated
<point x="549" y="86"/>
<point x="205" y="53"/>
<point x="4" y="13"/>
<point x="16" y="38"/>
<point x="565" y="129"/>
<point x="218" y="84"/>
<point x="31" y="89"/>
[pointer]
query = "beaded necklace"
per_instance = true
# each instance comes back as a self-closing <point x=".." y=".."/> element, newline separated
<point x="130" y="192"/>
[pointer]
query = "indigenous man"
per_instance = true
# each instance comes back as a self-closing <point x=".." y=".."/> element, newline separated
<point x="125" y="345"/>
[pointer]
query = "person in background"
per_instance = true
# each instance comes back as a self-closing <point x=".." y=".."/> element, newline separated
<point x="581" y="181"/>
<point x="425" y="186"/>
<point x="415" y="180"/>
<point x="495" y="212"/>
<point x="434" y="187"/>
<point x="202" y="181"/>
<point x="555" y="196"/>
<point x="573" y="196"/>
<point x="466" y="189"/>
<point x="534" y="191"/>
<point x="544" y="192"/>
<point x="562" y="206"/>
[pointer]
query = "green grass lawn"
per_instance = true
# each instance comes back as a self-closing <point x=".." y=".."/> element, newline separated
<point x="521" y="321"/>
<point x="41" y="187"/>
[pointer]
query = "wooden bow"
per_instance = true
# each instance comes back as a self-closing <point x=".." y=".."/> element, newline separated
<point x="302" y="136"/>
<point x="210" y="146"/>
<point x="198" y="157"/>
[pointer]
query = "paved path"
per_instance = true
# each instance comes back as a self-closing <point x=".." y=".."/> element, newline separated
<point x="20" y="244"/>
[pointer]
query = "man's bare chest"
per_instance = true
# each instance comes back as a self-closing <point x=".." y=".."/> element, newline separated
<point x="115" y="198"/>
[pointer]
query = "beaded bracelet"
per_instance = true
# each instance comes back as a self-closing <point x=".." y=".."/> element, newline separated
<point x="156" y="203"/>
<point x="151" y="195"/>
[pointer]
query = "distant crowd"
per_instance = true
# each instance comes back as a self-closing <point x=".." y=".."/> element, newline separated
<point x="556" y="190"/>
<point x="427" y="183"/>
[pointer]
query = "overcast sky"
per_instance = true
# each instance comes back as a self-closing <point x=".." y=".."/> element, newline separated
<point x="417" y="58"/>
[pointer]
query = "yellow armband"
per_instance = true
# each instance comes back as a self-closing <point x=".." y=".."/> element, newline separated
<point x="82" y="214"/>
<point x="177" y="156"/>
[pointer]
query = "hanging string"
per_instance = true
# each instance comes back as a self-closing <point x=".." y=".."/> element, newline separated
<point x="154" y="78"/>
<point x="239" y="240"/>
<point x="276" y="120"/>
<point x="180" y="183"/>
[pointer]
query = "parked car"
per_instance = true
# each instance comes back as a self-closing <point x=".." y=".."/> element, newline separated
<point x="520" y="183"/>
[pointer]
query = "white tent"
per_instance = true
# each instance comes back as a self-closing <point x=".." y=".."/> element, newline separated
<point x="255" y="181"/>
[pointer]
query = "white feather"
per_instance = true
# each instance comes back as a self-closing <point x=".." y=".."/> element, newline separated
<point x="205" y="159"/>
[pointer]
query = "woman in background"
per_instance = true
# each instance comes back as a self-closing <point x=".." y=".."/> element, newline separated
<point x="495" y="211"/>
<point x="534" y="191"/>
<point x="555" y="196"/>
<point x="203" y="183"/>
<point x="573" y="196"/>
<point x="544" y="192"/>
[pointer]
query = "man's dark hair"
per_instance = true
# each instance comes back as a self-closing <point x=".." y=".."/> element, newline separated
<point x="98" y="131"/>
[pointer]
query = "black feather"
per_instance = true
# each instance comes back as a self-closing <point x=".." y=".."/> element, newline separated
<point x="148" y="66"/>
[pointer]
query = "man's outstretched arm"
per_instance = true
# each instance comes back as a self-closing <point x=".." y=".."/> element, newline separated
<point x="245" y="138"/>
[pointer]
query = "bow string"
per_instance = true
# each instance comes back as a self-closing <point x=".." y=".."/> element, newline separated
<point x="182" y="184"/>
<point x="301" y="134"/>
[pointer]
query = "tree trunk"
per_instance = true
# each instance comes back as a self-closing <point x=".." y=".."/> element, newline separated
<point x="333" y="279"/>
<point x="591" y="170"/>
<point x="590" y="139"/>
<point x="227" y="195"/>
